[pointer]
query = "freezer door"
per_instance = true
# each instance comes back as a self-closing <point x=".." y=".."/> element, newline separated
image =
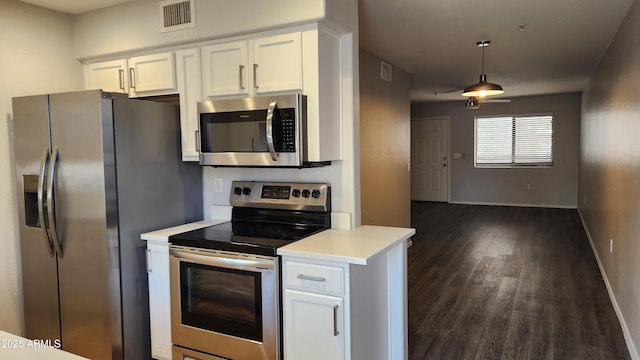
<point x="85" y="220"/>
<point x="39" y="266"/>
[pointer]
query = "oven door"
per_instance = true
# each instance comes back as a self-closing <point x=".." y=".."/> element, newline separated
<point x="225" y="304"/>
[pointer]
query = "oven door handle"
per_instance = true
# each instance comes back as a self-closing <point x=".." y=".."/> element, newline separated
<point x="224" y="261"/>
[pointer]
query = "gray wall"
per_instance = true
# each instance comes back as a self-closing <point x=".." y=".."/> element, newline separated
<point x="384" y="144"/>
<point x="609" y="179"/>
<point x="555" y="186"/>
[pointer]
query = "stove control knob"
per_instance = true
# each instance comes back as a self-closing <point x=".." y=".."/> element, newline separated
<point x="305" y="193"/>
<point x="237" y="190"/>
<point x="295" y="192"/>
<point x="315" y="194"/>
<point x="246" y="190"/>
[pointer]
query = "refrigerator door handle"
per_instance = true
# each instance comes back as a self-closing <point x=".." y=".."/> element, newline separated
<point x="43" y="223"/>
<point x="51" y="208"/>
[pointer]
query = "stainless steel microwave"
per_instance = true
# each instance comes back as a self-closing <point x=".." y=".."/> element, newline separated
<point x="260" y="131"/>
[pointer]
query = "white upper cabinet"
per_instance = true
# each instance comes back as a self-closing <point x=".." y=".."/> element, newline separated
<point x="152" y="74"/>
<point x="107" y="75"/>
<point x="190" y="90"/>
<point x="147" y="75"/>
<point x="224" y="70"/>
<point x="253" y="67"/>
<point x="277" y="63"/>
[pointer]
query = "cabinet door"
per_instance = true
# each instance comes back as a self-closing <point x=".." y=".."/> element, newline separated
<point x="277" y="63"/>
<point x="152" y="74"/>
<point x="224" y="69"/>
<point x="108" y="76"/>
<point x="313" y="326"/>
<point x="190" y="90"/>
<point x="159" y="302"/>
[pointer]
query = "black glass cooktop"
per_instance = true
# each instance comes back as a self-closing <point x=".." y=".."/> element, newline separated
<point x="259" y="238"/>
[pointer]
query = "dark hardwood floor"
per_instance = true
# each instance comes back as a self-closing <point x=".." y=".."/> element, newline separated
<point x="491" y="282"/>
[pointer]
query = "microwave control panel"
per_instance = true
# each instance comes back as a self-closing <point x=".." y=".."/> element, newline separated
<point x="288" y="130"/>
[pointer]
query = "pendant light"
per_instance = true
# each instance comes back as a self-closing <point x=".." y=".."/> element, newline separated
<point x="483" y="88"/>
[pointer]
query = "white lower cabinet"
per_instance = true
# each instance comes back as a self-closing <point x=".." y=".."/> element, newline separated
<point x="314" y="326"/>
<point x="315" y="310"/>
<point x="159" y="300"/>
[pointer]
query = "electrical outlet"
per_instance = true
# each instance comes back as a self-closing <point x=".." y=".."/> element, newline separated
<point x="527" y="186"/>
<point x="611" y="246"/>
<point x="217" y="185"/>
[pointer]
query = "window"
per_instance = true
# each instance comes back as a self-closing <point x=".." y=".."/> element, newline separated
<point x="513" y="141"/>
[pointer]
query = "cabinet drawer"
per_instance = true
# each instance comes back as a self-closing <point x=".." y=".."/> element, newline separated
<point x="314" y="277"/>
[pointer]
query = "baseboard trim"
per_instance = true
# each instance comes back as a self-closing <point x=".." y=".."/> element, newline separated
<point x="554" y="206"/>
<point x="633" y="352"/>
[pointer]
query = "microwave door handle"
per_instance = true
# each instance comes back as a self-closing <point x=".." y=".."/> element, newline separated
<point x="271" y="112"/>
<point x="43" y="222"/>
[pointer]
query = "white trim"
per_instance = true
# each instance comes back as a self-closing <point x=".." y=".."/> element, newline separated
<point x="553" y="206"/>
<point x="633" y="352"/>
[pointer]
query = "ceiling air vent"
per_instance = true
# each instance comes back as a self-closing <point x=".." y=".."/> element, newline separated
<point x="385" y="71"/>
<point x="177" y="15"/>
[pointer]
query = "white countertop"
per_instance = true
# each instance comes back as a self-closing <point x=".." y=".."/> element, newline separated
<point x="162" y="235"/>
<point x="16" y="347"/>
<point x="353" y="246"/>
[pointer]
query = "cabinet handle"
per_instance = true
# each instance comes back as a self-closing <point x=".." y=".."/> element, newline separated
<point x="335" y="321"/>
<point x="197" y="141"/>
<point x="132" y="75"/>
<point x="148" y="253"/>
<point x="121" y="73"/>
<point x="311" y="278"/>
<point x="255" y="76"/>
<point x="240" y="72"/>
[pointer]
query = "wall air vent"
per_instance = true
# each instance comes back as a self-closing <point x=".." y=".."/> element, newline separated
<point x="177" y="15"/>
<point x="385" y="71"/>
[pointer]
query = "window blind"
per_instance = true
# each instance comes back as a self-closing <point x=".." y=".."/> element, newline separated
<point x="514" y="141"/>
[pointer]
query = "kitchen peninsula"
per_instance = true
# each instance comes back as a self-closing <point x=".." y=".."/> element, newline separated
<point x="345" y="294"/>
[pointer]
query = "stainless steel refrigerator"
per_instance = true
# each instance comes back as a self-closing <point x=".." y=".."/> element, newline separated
<point x="94" y="171"/>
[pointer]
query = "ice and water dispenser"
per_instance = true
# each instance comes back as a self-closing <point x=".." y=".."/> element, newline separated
<point x="30" y="183"/>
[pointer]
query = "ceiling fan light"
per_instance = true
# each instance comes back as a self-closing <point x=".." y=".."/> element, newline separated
<point x="482" y="88"/>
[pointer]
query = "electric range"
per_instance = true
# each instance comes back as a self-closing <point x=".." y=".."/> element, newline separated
<point x="225" y="279"/>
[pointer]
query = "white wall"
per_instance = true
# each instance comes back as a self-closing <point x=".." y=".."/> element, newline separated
<point x="36" y="58"/>
<point x="609" y="181"/>
<point x="556" y="186"/>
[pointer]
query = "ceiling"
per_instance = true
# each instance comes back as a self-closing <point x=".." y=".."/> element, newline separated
<point x="75" y="6"/>
<point x="434" y="40"/>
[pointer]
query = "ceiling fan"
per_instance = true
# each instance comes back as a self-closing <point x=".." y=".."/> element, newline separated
<point x="473" y="102"/>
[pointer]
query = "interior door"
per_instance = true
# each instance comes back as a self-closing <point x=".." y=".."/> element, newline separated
<point x="429" y="160"/>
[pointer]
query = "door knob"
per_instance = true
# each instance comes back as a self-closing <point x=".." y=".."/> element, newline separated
<point x="444" y="165"/>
